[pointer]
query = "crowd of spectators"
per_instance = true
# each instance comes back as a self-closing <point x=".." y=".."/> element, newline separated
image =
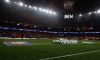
<point x="47" y="28"/>
<point x="84" y="36"/>
<point x="28" y="34"/>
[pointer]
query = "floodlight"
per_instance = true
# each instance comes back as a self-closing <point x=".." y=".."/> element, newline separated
<point x="14" y="2"/>
<point x="40" y="9"/>
<point x="50" y="12"/>
<point x="98" y="11"/>
<point x="29" y="6"/>
<point x="21" y="4"/>
<point x="25" y="5"/>
<point x="89" y="13"/>
<point x="54" y="13"/>
<point x="35" y="8"/>
<point x="47" y="11"/>
<point x="43" y="10"/>
<point x="80" y="15"/>
<point x="7" y="1"/>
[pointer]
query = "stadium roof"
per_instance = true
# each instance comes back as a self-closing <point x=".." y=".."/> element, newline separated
<point x="10" y="11"/>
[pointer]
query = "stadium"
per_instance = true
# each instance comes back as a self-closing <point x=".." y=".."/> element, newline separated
<point x="49" y="29"/>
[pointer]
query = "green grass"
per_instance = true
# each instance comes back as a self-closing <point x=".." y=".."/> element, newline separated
<point x="44" y="48"/>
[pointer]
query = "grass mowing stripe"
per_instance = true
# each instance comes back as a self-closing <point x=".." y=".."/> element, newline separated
<point x="70" y="55"/>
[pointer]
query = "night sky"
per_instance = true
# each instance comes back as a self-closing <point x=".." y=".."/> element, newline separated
<point x="15" y="13"/>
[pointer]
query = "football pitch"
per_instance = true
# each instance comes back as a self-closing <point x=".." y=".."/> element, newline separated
<point x="44" y="49"/>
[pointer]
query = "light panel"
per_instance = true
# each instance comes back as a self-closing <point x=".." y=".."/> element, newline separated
<point x="98" y="11"/>
<point x="35" y="8"/>
<point x="20" y="3"/>
<point x="80" y="15"/>
<point x="54" y="13"/>
<point x="89" y="13"/>
<point x="30" y="6"/>
<point x="40" y="9"/>
<point x="44" y="10"/>
<point x="25" y="5"/>
<point x="47" y="11"/>
<point x="7" y="1"/>
<point x="50" y="12"/>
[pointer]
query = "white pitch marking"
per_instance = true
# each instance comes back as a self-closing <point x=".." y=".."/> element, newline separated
<point x="70" y="55"/>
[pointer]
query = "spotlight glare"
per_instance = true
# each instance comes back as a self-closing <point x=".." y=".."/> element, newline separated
<point x="7" y="1"/>
<point x="43" y="10"/>
<point x="54" y="13"/>
<point x="35" y="8"/>
<point x="40" y="9"/>
<point x="98" y="11"/>
<point x="21" y="4"/>
<point x="47" y="11"/>
<point x="25" y="5"/>
<point x="50" y="12"/>
<point x="80" y="15"/>
<point x="14" y="2"/>
<point x="30" y="6"/>
<point x="89" y="13"/>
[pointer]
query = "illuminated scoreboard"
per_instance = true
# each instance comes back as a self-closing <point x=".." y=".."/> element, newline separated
<point x="69" y="16"/>
<point x="68" y="7"/>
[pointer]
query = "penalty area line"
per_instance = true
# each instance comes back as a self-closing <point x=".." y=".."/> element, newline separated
<point x="70" y="55"/>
